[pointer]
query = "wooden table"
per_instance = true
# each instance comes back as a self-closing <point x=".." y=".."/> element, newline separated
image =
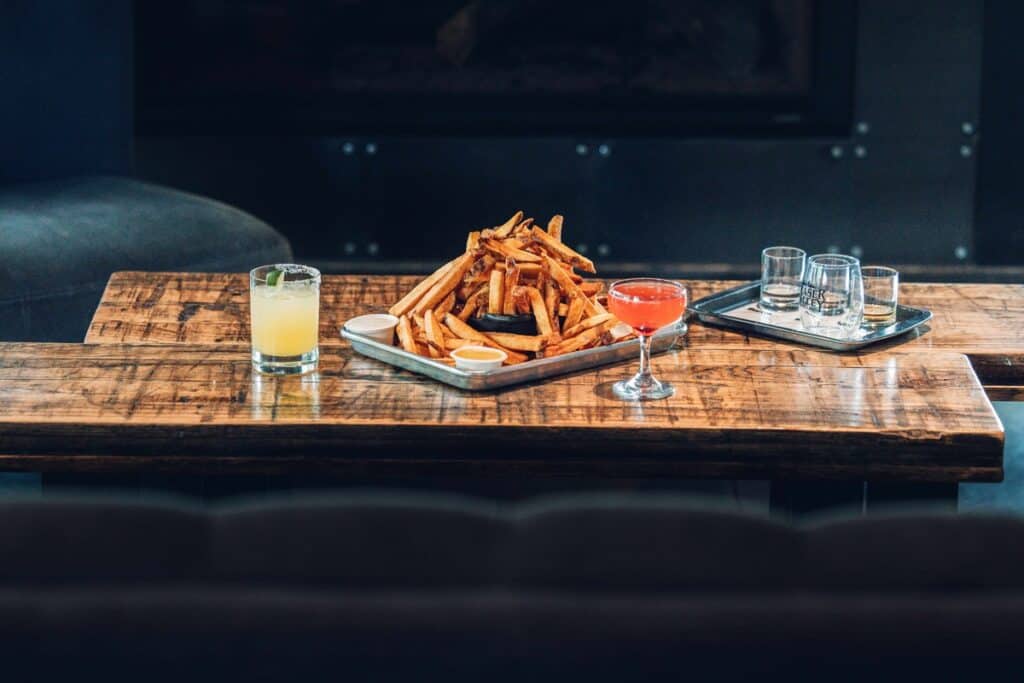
<point x="164" y="383"/>
<point x="985" y="322"/>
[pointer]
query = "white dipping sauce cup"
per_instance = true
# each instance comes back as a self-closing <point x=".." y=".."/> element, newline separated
<point x="476" y="364"/>
<point x="377" y="326"/>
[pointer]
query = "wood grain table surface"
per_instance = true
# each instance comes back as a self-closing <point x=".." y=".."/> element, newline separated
<point x="985" y="322"/>
<point x="738" y="413"/>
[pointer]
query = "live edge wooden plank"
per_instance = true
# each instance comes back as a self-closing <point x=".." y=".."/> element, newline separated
<point x="780" y="413"/>
<point x="984" y="321"/>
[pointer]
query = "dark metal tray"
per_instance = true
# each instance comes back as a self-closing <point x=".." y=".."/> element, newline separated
<point x="721" y="309"/>
<point x="529" y="371"/>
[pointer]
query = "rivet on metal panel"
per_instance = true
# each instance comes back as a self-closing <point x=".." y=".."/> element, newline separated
<point x="603" y="250"/>
<point x="966" y="151"/>
<point x="860" y="151"/>
<point x="863" y="128"/>
<point x="856" y="251"/>
<point x="372" y="248"/>
<point x="582" y="248"/>
<point x="582" y="150"/>
<point x="967" y="128"/>
<point x="832" y="249"/>
<point x="350" y="248"/>
<point x="604" y="150"/>
<point x="371" y="148"/>
<point x="960" y="252"/>
<point x="348" y="148"/>
<point x="836" y="152"/>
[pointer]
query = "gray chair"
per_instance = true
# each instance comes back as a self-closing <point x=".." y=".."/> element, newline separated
<point x="69" y="212"/>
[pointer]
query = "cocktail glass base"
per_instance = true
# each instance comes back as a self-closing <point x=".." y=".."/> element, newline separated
<point x="286" y="365"/>
<point x="642" y="388"/>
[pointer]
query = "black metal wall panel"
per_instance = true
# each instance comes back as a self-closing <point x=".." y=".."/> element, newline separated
<point x="916" y="110"/>
<point x="899" y="188"/>
<point x="720" y="201"/>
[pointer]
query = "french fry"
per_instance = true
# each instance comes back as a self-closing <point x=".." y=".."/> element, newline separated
<point x="474" y="303"/>
<point x="575" y="313"/>
<point x="592" y="321"/>
<point x="519" y="342"/>
<point x="523" y="305"/>
<point x="564" y="252"/>
<point x="496" y="293"/>
<point x="505" y="229"/>
<point x="405" y="335"/>
<point x="508" y="306"/>
<point x="406" y="303"/>
<point x="592" y="288"/>
<point x="555" y="227"/>
<point x="563" y="309"/>
<point x="571" y="288"/>
<point x="523" y="228"/>
<point x="445" y="284"/>
<point x="461" y="329"/>
<point x="580" y="341"/>
<point x="507" y="251"/>
<point x="435" y="337"/>
<point x="444" y="307"/>
<point x="473" y="241"/>
<point x="540" y="311"/>
<point x="551" y="297"/>
<point x="452" y="343"/>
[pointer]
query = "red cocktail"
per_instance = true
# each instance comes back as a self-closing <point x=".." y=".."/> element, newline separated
<point x="647" y="305"/>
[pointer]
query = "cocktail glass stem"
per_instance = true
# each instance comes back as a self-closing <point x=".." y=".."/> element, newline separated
<point x="643" y="386"/>
<point x="644" y="378"/>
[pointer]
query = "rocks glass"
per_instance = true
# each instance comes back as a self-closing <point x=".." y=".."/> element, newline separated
<point x="782" y="272"/>
<point x="832" y="295"/>
<point x="881" y="295"/>
<point x="285" y="318"/>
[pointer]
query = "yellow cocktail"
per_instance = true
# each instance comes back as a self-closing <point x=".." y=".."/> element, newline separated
<point x="285" y="318"/>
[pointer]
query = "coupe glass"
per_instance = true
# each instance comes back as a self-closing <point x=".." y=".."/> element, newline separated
<point x="646" y="305"/>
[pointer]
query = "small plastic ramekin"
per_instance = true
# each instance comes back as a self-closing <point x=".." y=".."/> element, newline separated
<point x="477" y="364"/>
<point x="377" y="326"/>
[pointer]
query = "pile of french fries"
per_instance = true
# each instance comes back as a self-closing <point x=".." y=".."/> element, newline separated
<point x="516" y="268"/>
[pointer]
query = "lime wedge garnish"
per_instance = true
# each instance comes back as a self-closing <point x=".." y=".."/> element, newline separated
<point x="275" y="278"/>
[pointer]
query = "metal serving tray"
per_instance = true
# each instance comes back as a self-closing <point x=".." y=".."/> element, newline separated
<point x="529" y="371"/>
<point x="737" y="309"/>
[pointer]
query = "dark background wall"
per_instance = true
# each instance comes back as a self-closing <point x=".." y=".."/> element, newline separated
<point x="999" y="221"/>
<point x="65" y="88"/>
<point x="898" y="187"/>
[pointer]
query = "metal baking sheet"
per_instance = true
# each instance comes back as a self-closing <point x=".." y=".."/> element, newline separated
<point x="737" y="309"/>
<point x="529" y="371"/>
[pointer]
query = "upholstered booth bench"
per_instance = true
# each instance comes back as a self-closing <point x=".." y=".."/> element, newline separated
<point x="388" y="586"/>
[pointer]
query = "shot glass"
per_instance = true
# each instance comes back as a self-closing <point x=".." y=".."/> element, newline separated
<point x="881" y="295"/>
<point x="782" y="272"/>
<point x="285" y="318"/>
<point x="832" y="296"/>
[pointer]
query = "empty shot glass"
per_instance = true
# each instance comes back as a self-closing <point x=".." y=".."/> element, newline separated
<point x="881" y="295"/>
<point x="782" y="272"/>
<point x="285" y="318"/>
